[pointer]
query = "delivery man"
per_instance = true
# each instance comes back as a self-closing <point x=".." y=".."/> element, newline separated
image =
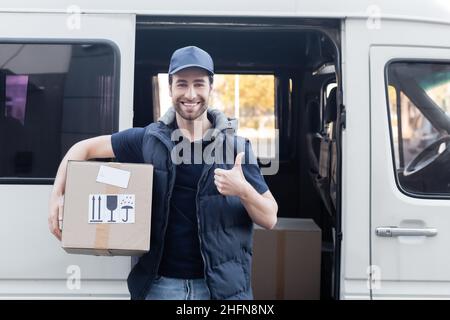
<point x="208" y="191"/>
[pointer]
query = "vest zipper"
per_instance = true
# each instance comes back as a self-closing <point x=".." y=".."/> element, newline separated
<point x="202" y="177"/>
<point x="169" y="195"/>
<point x="205" y="171"/>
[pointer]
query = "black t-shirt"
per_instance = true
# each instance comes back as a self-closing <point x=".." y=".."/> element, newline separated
<point x="181" y="256"/>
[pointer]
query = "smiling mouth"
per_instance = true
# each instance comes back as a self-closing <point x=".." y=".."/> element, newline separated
<point x="190" y="104"/>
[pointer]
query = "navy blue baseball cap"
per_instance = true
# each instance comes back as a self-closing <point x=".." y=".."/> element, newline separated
<point x="188" y="57"/>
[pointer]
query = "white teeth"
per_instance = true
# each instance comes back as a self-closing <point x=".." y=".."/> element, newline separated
<point x="189" y="104"/>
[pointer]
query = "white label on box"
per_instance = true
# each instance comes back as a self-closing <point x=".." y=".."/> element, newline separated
<point x="113" y="176"/>
<point x="111" y="208"/>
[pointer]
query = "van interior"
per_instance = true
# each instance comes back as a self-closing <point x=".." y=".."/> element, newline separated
<point x="303" y="56"/>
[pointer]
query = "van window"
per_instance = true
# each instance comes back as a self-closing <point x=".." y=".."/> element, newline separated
<point x="52" y="96"/>
<point x="326" y="91"/>
<point x="248" y="98"/>
<point x="419" y="105"/>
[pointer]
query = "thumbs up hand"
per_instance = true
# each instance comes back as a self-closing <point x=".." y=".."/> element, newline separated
<point x="231" y="182"/>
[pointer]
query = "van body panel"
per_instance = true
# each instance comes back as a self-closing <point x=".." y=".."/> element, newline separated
<point x="355" y="163"/>
<point x="404" y="266"/>
<point x="35" y="265"/>
<point x="437" y="10"/>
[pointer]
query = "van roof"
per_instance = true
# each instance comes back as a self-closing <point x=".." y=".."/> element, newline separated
<point x="425" y="10"/>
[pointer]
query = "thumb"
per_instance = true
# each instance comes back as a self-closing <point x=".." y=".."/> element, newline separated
<point x="238" y="161"/>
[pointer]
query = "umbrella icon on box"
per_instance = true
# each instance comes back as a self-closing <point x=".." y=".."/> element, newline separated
<point x="127" y="203"/>
<point x="126" y="208"/>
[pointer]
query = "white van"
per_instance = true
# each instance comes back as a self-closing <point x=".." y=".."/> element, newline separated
<point x="361" y="102"/>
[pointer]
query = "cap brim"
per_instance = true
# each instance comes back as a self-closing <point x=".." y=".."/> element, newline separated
<point x="190" y="66"/>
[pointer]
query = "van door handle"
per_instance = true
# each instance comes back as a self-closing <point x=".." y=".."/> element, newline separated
<point x="402" y="232"/>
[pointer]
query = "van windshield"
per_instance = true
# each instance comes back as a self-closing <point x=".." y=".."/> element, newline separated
<point x="434" y="79"/>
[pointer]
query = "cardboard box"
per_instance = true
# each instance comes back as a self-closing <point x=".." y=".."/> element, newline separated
<point x="107" y="208"/>
<point x="286" y="260"/>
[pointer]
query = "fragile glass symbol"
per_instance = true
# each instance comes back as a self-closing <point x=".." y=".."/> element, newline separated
<point x="111" y="204"/>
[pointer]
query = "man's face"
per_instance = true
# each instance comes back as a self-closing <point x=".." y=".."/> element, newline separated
<point x="190" y="92"/>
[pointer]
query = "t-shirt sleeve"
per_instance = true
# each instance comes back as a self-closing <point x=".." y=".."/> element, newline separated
<point x="252" y="172"/>
<point x="127" y="145"/>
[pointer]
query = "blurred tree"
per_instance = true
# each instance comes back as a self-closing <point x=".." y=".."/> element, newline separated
<point x="256" y="97"/>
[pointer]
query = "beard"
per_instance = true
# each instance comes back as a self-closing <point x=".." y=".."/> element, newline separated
<point x="190" y="113"/>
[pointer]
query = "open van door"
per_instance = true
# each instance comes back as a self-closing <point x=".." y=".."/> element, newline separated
<point x="410" y="176"/>
<point x="63" y="78"/>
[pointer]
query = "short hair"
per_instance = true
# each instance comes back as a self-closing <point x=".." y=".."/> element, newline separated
<point x="210" y="77"/>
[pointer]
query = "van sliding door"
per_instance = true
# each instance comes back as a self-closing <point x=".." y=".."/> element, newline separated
<point x="63" y="78"/>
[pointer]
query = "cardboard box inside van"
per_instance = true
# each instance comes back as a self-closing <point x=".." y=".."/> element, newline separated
<point x="286" y="261"/>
